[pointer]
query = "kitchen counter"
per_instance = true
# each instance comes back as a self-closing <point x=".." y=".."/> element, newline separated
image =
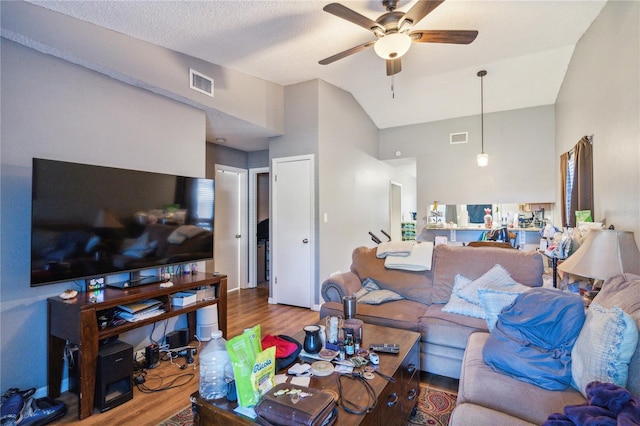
<point x="526" y="238"/>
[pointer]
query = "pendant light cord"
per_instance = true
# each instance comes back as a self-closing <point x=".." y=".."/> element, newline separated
<point x="481" y="74"/>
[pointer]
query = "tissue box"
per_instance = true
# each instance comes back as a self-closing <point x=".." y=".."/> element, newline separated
<point x="183" y="298"/>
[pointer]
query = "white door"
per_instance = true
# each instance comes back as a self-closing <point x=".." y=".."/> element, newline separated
<point x="230" y="225"/>
<point x="293" y="240"/>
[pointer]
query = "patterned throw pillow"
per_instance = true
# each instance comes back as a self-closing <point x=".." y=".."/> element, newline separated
<point x="604" y="347"/>
<point x="371" y="294"/>
<point x="457" y="305"/>
<point x="376" y="297"/>
<point x="494" y="301"/>
<point x="496" y="278"/>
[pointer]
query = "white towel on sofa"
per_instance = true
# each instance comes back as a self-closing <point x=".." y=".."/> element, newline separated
<point x="418" y="260"/>
<point x="395" y="248"/>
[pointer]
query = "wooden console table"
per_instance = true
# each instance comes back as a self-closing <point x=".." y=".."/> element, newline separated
<point x="76" y="321"/>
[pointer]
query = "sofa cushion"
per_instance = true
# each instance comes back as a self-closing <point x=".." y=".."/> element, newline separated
<point x="472" y="262"/>
<point x="623" y="291"/>
<point x="411" y="285"/>
<point x="482" y="416"/>
<point x="447" y="329"/>
<point x="604" y="348"/>
<point x="481" y="385"/>
<point x="402" y="314"/>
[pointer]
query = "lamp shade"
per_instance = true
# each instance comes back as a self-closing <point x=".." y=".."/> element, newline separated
<point x="392" y="46"/>
<point x="603" y="254"/>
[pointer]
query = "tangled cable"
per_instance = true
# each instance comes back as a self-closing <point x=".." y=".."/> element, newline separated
<point x="351" y="407"/>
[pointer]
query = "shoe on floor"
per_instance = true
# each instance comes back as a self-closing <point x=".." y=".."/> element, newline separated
<point x="40" y="411"/>
<point x="10" y="412"/>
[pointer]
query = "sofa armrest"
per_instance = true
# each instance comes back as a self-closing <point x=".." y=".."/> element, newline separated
<point x="337" y="286"/>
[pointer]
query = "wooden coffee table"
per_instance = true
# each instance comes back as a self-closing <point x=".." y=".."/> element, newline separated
<point x="395" y="401"/>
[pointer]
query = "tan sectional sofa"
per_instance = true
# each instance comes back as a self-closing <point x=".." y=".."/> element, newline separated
<point x="452" y="345"/>
<point x="492" y="398"/>
<point x="443" y="335"/>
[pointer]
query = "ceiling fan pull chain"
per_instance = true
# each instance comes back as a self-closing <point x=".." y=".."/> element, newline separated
<point x="393" y="92"/>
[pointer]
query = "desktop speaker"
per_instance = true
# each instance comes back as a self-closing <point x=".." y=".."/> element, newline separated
<point x="114" y="372"/>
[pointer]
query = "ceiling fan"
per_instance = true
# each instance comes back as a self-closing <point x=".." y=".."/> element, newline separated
<point x="391" y="29"/>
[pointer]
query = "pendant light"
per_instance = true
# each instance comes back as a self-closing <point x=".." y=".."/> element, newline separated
<point x="482" y="158"/>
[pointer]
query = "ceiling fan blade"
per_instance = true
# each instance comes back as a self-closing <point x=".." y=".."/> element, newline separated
<point x="394" y="66"/>
<point x="350" y="15"/>
<point x="444" y="36"/>
<point x="421" y="9"/>
<point x="346" y="53"/>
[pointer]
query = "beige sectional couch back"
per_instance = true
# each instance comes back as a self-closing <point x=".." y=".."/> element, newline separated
<point x="436" y="285"/>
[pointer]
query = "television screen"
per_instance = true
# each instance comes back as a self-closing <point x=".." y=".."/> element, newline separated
<point x="89" y="221"/>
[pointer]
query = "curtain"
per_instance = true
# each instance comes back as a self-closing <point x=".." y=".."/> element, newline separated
<point x="582" y="191"/>
<point x="564" y="163"/>
<point x="577" y="194"/>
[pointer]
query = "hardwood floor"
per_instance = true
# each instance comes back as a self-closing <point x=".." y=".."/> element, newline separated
<point x="246" y="308"/>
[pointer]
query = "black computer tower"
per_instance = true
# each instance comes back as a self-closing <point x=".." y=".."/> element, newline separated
<point x="114" y="374"/>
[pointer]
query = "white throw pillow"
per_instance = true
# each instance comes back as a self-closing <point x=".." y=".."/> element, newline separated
<point x="457" y="305"/>
<point x="604" y="347"/>
<point x="496" y="278"/>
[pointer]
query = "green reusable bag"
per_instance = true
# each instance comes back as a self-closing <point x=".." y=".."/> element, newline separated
<point x="583" y="216"/>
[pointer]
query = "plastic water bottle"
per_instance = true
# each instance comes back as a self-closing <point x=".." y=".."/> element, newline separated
<point x="214" y="362"/>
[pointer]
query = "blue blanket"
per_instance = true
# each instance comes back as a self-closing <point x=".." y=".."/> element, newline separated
<point x="607" y="404"/>
<point x="533" y="338"/>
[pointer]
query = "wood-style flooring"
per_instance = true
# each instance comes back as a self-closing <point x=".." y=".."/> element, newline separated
<point x="246" y="308"/>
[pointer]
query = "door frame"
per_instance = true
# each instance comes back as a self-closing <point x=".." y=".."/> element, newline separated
<point x="243" y="217"/>
<point x="395" y="210"/>
<point x="273" y="232"/>
<point x="253" y="226"/>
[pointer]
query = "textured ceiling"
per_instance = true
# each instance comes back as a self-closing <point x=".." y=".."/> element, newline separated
<point x="525" y="46"/>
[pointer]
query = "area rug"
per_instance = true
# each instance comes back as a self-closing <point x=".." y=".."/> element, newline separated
<point x="183" y="418"/>
<point x="434" y="408"/>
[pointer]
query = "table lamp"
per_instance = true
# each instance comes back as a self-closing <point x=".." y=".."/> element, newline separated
<point x="603" y="254"/>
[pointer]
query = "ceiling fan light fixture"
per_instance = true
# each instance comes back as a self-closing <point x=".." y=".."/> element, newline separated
<point x="392" y="46"/>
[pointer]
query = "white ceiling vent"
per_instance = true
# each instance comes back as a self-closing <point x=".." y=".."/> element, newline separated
<point x="200" y="82"/>
<point x="460" y="137"/>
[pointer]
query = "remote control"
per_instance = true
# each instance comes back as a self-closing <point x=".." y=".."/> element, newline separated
<point x="389" y="348"/>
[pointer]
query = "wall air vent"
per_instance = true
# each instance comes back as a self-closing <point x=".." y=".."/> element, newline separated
<point x="460" y="137"/>
<point x="200" y="82"/>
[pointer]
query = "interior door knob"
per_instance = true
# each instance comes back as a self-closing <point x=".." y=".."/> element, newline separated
<point x="238" y="236"/>
<point x="306" y="240"/>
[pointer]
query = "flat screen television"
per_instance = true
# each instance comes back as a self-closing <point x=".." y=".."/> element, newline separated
<point x="92" y="221"/>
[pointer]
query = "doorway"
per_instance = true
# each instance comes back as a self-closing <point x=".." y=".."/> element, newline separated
<point x="230" y="242"/>
<point x="259" y="246"/>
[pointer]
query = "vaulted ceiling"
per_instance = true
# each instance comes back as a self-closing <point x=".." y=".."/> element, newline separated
<point x="524" y="45"/>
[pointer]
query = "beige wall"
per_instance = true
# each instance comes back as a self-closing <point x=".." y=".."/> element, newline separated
<point x="600" y="96"/>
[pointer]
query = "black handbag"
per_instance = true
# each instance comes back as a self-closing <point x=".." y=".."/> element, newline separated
<point x="289" y="405"/>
